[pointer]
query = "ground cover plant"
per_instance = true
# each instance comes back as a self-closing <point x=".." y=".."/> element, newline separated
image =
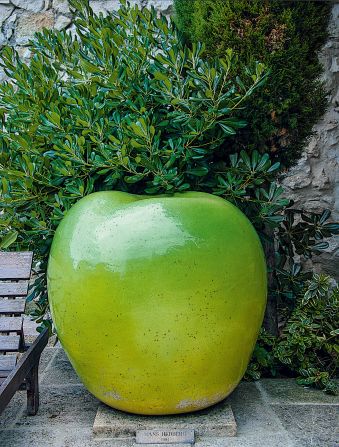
<point x="125" y="104"/>
<point x="307" y="343"/>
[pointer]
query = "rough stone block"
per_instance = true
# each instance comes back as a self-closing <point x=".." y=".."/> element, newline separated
<point x="105" y="6"/>
<point x="216" y="421"/>
<point x="61" y="6"/>
<point x="29" y="24"/>
<point x="29" y="5"/>
<point x="5" y="12"/>
<point x="3" y="41"/>
<point x="164" y="6"/>
<point x="62" y="22"/>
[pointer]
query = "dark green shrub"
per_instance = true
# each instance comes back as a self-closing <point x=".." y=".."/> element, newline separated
<point x="8" y="239"/>
<point x="285" y="36"/>
<point x="124" y="105"/>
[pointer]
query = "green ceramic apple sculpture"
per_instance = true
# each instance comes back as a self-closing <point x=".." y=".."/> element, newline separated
<point x="157" y="301"/>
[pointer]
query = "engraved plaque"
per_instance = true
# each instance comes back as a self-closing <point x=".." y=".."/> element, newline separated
<point x="165" y="436"/>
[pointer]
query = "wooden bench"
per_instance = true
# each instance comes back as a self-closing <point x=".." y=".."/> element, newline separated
<point x="17" y="372"/>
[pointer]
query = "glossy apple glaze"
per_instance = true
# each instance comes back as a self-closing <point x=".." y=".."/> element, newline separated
<point x="157" y="301"/>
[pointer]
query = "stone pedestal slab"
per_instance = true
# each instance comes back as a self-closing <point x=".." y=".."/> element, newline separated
<point x="216" y="421"/>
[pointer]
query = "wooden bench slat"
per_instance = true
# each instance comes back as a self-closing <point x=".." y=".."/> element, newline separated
<point x="2" y="379"/>
<point x="9" y="343"/>
<point x="7" y="364"/>
<point x="20" y="373"/>
<point x="10" y="324"/>
<point x="13" y="288"/>
<point x="15" y="265"/>
<point x="11" y="306"/>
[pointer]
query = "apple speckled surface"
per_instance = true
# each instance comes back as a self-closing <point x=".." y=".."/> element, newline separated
<point x="157" y="301"/>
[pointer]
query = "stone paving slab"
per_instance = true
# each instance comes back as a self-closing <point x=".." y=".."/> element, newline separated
<point x="268" y="413"/>
<point x="67" y="436"/>
<point x="29" y="438"/>
<point x="61" y="371"/>
<point x="316" y="425"/>
<point x="11" y="411"/>
<point x="251" y="413"/>
<point x="45" y="358"/>
<point x="62" y="405"/>
<point x="214" y="421"/>
<point x="287" y="391"/>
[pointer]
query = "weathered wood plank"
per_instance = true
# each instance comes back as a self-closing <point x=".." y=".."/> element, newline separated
<point x="13" y="382"/>
<point x="10" y="324"/>
<point x="32" y="383"/>
<point x="11" y="306"/>
<point x="15" y="265"/>
<point x="13" y="288"/>
<point x="24" y="374"/>
<point x="7" y="363"/>
<point x="9" y="343"/>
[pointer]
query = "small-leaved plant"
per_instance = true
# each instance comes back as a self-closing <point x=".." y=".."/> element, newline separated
<point x="308" y="344"/>
<point x="122" y="104"/>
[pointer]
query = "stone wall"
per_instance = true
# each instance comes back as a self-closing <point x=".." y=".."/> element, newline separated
<point x="20" y="19"/>
<point x="313" y="183"/>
